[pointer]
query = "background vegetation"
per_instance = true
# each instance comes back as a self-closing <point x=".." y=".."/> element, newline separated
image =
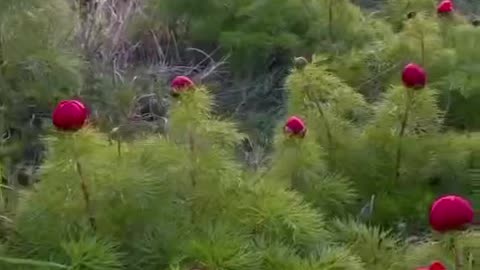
<point x="350" y="190"/>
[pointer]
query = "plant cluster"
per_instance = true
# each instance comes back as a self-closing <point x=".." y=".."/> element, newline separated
<point x="380" y="128"/>
<point x="181" y="201"/>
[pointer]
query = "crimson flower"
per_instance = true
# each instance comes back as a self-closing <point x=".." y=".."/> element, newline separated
<point x="181" y="84"/>
<point x="445" y="7"/>
<point x="451" y="212"/>
<point x="69" y="115"/>
<point x="295" y="126"/>
<point x="434" y="266"/>
<point x="414" y="76"/>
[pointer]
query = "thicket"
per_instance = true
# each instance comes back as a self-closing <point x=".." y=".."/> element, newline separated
<point x="175" y="183"/>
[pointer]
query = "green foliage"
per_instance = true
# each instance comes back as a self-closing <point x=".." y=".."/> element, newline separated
<point x="38" y="67"/>
<point x="375" y="247"/>
<point x="36" y="64"/>
<point x="397" y="10"/>
<point x="343" y="26"/>
<point x="423" y="113"/>
<point x="172" y="185"/>
<point x="255" y="33"/>
<point x="182" y="200"/>
<point x="384" y="153"/>
<point x="280" y="215"/>
<point x="319" y="86"/>
<point x="300" y="165"/>
<point x="90" y="253"/>
<point x="251" y="30"/>
<point x="461" y="85"/>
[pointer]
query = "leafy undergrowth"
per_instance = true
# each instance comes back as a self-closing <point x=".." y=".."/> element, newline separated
<point x="182" y="201"/>
<point x="348" y="185"/>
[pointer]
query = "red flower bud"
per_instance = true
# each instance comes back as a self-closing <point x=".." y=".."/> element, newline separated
<point x="414" y="76"/>
<point x="69" y="115"/>
<point x="295" y="126"/>
<point x="451" y="213"/>
<point x="437" y="266"/>
<point x="82" y="101"/>
<point x="445" y="7"/>
<point x="434" y="266"/>
<point x="180" y="84"/>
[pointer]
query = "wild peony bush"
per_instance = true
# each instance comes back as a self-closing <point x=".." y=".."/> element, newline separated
<point x="348" y="185"/>
<point x="178" y="201"/>
<point x="384" y="149"/>
<point x="183" y="201"/>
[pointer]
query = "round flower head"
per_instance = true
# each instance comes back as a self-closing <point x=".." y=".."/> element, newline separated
<point x="414" y="76"/>
<point x="295" y="126"/>
<point x="181" y="84"/>
<point x="445" y="7"/>
<point x="450" y="213"/>
<point x="69" y="115"/>
<point x="434" y="266"/>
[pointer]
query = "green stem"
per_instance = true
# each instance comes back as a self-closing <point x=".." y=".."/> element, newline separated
<point x="401" y="134"/>
<point x="193" y="177"/>
<point x="326" y="124"/>
<point x="86" y="197"/>
<point x="422" y="47"/>
<point x="457" y="250"/>
<point x="330" y="18"/>
<point x="3" y="199"/>
<point x="34" y="263"/>
<point x="85" y="191"/>
<point x="119" y="148"/>
<point x="193" y="156"/>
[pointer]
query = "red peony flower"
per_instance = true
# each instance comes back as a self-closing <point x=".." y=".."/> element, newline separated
<point x="445" y="7"/>
<point x="180" y="84"/>
<point x="82" y="101"/>
<point x="451" y="213"/>
<point x="434" y="266"/>
<point x="70" y="115"/>
<point x="295" y="126"/>
<point x="414" y="76"/>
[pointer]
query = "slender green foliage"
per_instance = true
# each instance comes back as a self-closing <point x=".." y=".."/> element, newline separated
<point x="375" y="154"/>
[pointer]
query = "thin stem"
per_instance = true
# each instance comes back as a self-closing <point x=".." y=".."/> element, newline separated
<point x="86" y="196"/>
<point x="399" y="152"/>
<point x="457" y="250"/>
<point x="191" y="140"/>
<point x="3" y="199"/>
<point x="85" y="191"/>
<point x="330" y="19"/>
<point x="119" y="148"/>
<point x="422" y="48"/>
<point x="193" y="177"/>
<point x="34" y="263"/>
<point x="326" y="124"/>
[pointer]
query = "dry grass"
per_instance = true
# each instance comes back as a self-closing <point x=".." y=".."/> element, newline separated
<point x="152" y="55"/>
<point x="103" y="35"/>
